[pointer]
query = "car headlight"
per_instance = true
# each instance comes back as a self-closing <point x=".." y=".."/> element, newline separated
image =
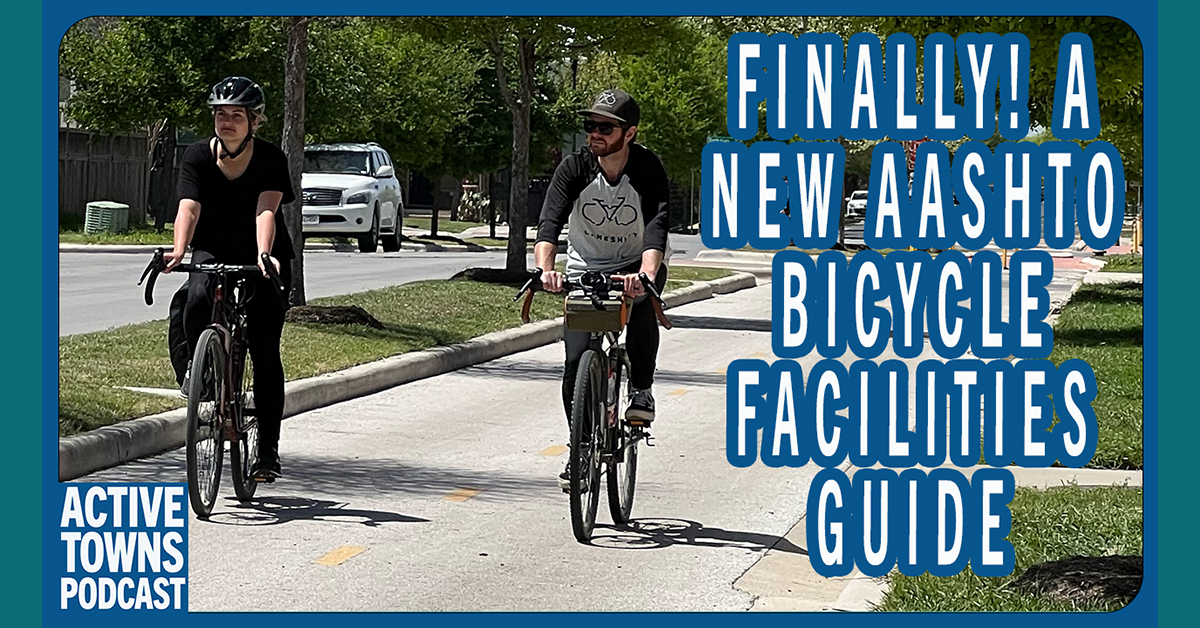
<point x="361" y="198"/>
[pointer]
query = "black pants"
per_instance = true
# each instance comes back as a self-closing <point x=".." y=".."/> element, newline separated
<point x="264" y="327"/>
<point x="641" y="341"/>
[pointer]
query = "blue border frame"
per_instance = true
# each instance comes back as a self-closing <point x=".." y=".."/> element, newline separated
<point x="59" y="15"/>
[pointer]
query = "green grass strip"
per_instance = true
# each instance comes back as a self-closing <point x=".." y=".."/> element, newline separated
<point x="1046" y="525"/>
<point x="1102" y="325"/>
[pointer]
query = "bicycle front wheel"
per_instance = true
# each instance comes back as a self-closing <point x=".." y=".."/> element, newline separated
<point x="205" y="422"/>
<point x="622" y="469"/>
<point x="243" y="451"/>
<point x="587" y="408"/>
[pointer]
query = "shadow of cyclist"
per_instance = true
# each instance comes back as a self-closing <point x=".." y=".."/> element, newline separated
<point x="278" y="510"/>
<point x="662" y="533"/>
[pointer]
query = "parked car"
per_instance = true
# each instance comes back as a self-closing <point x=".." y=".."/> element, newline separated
<point x="856" y="204"/>
<point x="351" y="190"/>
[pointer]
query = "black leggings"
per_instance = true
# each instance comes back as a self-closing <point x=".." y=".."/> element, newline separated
<point x="641" y="341"/>
<point x="264" y="320"/>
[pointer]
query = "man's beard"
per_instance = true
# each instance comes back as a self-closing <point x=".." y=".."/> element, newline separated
<point x="609" y="148"/>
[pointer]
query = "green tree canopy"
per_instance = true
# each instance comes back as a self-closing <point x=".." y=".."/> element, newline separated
<point x="367" y="80"/>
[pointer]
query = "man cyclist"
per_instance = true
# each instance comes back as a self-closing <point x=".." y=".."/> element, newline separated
<point x="230" y="191"/>
<point x="612" y="194"/>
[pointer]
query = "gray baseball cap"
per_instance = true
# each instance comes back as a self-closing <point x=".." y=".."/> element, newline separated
<point x="617" y="104"/>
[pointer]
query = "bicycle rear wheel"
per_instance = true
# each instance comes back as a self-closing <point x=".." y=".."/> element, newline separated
<point x="586" y="412"/>
<point x="205" y="422"/>
<point x="243" y="452"/>
<point x="622" y="470"/>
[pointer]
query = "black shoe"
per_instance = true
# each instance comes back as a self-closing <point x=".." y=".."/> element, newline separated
<point x="187" y="382"/>
<point x="564" y="478"/>
<point x="266" y="470"/>
<point x="641" y="408"/>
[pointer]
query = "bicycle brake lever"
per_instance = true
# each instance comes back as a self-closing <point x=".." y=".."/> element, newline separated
<point x="650" y="287"/>
<point x="156" y="262"/>
<point x="532" y="284"/>
<point x="153" y="269"/>
<point x="276" y="280"/>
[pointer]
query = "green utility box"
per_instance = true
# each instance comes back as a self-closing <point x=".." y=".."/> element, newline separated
<point x="106" y="216"/>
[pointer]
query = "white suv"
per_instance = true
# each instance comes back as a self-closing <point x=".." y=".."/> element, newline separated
<point x="351" y="190"/>
<point x="856" y="204"/>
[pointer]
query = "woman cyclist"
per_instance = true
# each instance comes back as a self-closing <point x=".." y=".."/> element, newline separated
<point x="230" y="189"/>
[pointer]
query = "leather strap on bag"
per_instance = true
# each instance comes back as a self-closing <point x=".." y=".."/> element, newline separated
<point x="526" y="306"/>
<point x="659" y="314"/>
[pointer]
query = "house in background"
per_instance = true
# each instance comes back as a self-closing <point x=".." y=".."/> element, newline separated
<point x="95" y="167"/>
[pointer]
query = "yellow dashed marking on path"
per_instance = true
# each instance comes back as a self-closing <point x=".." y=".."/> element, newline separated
<point x="461" y="494"/>
<point x="760" y="354"/>
<point x="553" y="450"/>
<point x="340" y="555"/>
<point x="678" y="392"/>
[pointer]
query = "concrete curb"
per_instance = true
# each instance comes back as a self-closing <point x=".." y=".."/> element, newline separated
<point x="70" y="247"/>
<point x="735" y="257"/>
<point x="733" y="283"/>
<point x="115" y="444"/>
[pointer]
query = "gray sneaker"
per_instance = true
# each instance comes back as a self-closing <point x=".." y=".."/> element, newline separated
<point x="641" y="408"/>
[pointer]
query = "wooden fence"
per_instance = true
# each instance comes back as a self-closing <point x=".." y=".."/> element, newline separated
<point x="93" y="167"/>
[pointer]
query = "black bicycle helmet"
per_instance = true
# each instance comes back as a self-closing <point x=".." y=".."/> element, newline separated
<point x="238" y="91"/>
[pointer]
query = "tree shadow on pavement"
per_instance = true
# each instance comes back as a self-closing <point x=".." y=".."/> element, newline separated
<point x="346" y="477"/>
<point x="554" y="372"/>
<point x="277" y="510"/>
<point x="721" y="323"/>
<point x="373" y="477"/>
<point x="641" y="534"/>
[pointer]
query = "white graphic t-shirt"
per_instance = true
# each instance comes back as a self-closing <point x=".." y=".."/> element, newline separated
<point x="611" y="224"/>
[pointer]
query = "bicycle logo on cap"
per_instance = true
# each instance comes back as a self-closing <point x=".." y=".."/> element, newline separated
<point x="606" y="98"/>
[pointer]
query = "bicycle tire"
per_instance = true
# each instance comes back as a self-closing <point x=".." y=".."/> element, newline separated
<point x="622" y="472"/>
<point x="243" y="451"/>
<point x="586" y="411"/>
<point x="205" y="423"/>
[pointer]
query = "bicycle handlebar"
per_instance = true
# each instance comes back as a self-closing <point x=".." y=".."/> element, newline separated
<point x="597" y="281"/>
<point x="158" y="264"/>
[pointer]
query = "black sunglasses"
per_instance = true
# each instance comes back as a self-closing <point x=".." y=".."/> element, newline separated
<point x="605" y="128"/>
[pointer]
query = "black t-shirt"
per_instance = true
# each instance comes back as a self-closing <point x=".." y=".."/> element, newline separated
<point x="226" y="227"/>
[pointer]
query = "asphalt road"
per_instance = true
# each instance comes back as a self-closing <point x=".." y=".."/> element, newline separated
<point x="99" y="290"/>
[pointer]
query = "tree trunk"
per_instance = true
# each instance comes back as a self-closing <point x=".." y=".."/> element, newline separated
<point x="520" y="105"/>
<point x="295" y="69"/>
<point x="162" y="182"/>
<point x="518" y="210"/>
<point x="849" y="184"/>
<point x="518" y="195"/>
<point x="437" y="207"/>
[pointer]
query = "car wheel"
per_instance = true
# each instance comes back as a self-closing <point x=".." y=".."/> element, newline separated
<point x="369" y="242"/>
<point x="391" y="242"/>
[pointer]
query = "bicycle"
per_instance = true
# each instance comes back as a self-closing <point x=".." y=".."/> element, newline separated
<point x="220" y="384"/>
<point x="599" y="433"/>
